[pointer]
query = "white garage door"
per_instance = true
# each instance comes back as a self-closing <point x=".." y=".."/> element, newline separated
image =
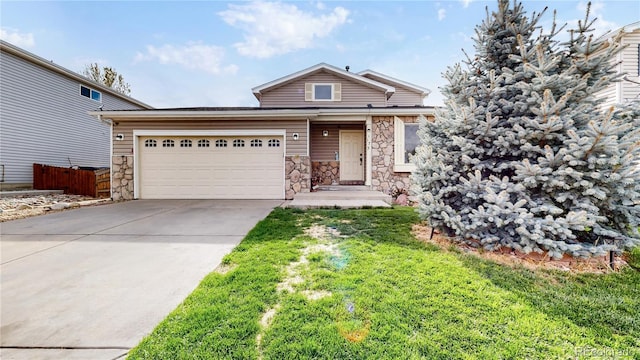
<point x="211" y="167"/>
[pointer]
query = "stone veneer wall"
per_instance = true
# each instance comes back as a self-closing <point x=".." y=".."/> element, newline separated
<point x="297" y="175"/>
<point x="382" y="154"/>
<point x="122" y="177"/>
<point x="326" y="172"/>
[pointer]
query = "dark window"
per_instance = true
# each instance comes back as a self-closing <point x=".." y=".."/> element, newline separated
<point x="90" y="93"/>
<point x="238" y="143"/>
<point x="411" y="141"/>
<point x="203" y="143"/>
<point x="185" y="143"/>
<point x="85" y="91"/>
<point x="322" y="92"/>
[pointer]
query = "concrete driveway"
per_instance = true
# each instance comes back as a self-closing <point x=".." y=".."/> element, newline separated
<point x="90" y="283"/>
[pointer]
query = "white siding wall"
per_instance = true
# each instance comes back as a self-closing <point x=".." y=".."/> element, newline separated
<point x="44" y="120"/>
<point x="630" y="91"/>
<point x="625" y="90"/>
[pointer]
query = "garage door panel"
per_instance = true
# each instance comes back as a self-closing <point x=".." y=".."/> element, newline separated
<point x="211" y="172"/>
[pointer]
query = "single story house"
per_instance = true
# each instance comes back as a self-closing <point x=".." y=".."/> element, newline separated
<point x="320" y="125"/>
<point x="43" y="112"/>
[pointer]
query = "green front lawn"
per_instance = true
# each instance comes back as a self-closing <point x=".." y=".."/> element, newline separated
<point x="359" y="286"/>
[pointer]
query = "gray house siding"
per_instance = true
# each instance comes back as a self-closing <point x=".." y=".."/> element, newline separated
<point x="403" y="96"/>
<point x="353" y="93"/>
<point x="45" y="120"/>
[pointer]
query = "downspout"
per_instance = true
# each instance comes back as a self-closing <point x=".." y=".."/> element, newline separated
<point x="368" y="139"/>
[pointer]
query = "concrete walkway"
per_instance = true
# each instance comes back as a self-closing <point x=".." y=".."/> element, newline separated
<point x="90" y="283"/>
<point x="344" y="197"/>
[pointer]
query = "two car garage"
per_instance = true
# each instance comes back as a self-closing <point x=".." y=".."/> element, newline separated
<point x="210" y="167"/>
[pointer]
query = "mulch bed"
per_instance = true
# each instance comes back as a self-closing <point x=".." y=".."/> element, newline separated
<point x="513" y="258"/>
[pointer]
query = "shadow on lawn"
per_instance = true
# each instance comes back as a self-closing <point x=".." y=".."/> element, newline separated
<point x="609" y="304"/>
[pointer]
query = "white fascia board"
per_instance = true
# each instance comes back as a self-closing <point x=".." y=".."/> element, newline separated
<point x="355" y="77"/>
<point x="154" y="115"/>
<point x="172" y="114"/>
<point x="424" y="91"/>
<point x="270" y="132"/>
<point x="390" y="111"/>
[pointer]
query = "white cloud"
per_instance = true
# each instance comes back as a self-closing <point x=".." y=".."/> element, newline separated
<point x="274" y="28"/>
<point x="466" y="3"/>
<point x="17" y="38"/>
<point x="193" y="55"/>
<point x="442" y="13"/>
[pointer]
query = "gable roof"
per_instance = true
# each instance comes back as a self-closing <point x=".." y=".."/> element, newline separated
<point x="37" y="60"/>
<point x="388" y="90"/>
<point x="629" y="28"/>
<point x="412" y="87"/>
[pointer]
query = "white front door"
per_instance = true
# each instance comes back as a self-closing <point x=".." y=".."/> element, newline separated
<point x="351" y="155"/>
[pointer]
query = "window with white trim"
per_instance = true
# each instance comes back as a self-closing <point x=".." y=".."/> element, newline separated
<point x="185" y="143"/>
<point x="150" y="143"/>
<point x="406" y="141"/>
<point x="221" y="143"/>
<point x="90" y="93"/>
<point x="168" y="143"/>
<point x="322" y="92"/>
<point x="203" y="143"/>
<point x="238" y="143"/>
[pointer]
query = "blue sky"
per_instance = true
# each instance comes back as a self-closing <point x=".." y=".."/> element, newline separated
<point x="211" y="53"/>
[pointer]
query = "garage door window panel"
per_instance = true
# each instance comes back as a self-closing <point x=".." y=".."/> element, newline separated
<point x="256" y="143"/>
<point x="185" y="143"/>
<point x="274" y="143"/>
<point x="238" y="143"/>
<point x="203" y="143"/>
<point x="168" y="143"/>
<point x="221" y="143"/>
<point x="150" y="143"/>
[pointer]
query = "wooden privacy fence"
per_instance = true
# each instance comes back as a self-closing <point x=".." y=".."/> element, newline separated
<point x="95" y="183"/>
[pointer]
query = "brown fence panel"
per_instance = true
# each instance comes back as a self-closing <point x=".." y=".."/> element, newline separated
<point x="103" y="183"/>
<point x="72" y="181"/>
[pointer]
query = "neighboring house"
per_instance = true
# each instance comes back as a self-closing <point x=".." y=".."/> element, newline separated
<point x="321" y="125"/>
<point x="44" y="117"/>
<point x="628" y="61"/>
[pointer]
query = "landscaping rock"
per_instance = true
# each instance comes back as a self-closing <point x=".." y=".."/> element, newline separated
<point x="22" y="206"/>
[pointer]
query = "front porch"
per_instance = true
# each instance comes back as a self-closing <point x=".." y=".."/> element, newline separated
<point x="340" y="196"/>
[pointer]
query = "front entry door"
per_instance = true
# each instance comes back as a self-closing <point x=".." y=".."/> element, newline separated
<point x="351" y="155"/>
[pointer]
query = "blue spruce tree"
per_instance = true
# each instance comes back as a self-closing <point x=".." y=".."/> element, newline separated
<point x="523" y="156"/>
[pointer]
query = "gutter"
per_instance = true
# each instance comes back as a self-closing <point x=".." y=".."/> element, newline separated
<point x="257" y="114"/>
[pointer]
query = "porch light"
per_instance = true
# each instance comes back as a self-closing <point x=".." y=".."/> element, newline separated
<point x="325" y="133"/>
<point x="296" y="136"/>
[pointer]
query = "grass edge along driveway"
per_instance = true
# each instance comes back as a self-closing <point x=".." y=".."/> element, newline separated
<point x="355" y="284"/>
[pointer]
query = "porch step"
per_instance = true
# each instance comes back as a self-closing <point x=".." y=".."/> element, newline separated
<point x="340" y="199"/>
<point x="343" y="188"/>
